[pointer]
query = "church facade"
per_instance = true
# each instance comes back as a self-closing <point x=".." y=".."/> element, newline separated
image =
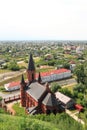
<point x="35" y="97"/>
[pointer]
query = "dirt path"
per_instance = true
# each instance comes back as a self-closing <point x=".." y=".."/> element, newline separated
<point x="75" y="117"/>
<point x="10" y="108"/>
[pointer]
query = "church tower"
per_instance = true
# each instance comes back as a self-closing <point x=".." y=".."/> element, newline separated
<point x="23" y="93"/>
<point x="39" y="78"/>
<point x="31" y="70"/>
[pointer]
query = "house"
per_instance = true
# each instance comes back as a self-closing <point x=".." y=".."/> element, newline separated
<point x="35" y="97"/>
<point x="65" y="101"/>
<point x="12" y="86"/>
<point x="72" y="65"/>
<point x="48" y="56"/>
<point x="79" y="49"/>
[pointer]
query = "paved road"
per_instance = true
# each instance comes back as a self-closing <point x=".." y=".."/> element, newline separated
<point x="66" y="82"/>
<point x="9" y="94"/>
<point x="9" y="75"/>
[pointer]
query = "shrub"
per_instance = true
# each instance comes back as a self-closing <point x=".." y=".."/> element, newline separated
<point x="55" y="87"/>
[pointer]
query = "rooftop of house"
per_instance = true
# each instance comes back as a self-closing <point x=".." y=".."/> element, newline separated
<point x="12" y="84"/>
<point x="63" y="98"/>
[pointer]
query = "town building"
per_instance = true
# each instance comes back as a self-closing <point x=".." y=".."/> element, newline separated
<point x="12" y="86"/>
<point x="35" y="97"/>
<point x="65" y="101"/>
<point x="54" y="75"/>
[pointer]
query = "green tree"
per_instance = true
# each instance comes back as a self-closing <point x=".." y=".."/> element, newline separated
<point x="55" y="87"/>
<point x="80" y="73"/>
<point x="80" y="88"/>
<point x="13" y="66"/>
<point x="66" y="65"/>
<point x="66" y="92"/>
<point x="0" y="100"/>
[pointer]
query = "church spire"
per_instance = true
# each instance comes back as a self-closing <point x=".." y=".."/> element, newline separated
<point x="22" y="79"/>
<point x="39" y="78"/>
<point x="31" y="66"/>
<point x="31" y="70"/>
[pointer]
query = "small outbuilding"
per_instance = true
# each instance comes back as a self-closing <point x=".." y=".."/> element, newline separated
<point x="12" y="86"/>
<point x="66" y="101"/>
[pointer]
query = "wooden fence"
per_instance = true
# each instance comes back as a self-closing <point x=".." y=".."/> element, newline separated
<point x="13" y="98"/>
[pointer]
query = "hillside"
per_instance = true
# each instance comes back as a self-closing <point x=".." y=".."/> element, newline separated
<point x="8" y="122"/>
<point x="38" y="122"/>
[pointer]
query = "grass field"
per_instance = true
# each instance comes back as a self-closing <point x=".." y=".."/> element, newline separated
<point x="4" y="71"/>
<point x="70" y="86"/>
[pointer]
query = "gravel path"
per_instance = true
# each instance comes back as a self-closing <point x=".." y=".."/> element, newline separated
<point x="10" y="108"/>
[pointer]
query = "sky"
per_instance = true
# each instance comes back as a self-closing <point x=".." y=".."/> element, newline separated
<point x="43" y="19"/>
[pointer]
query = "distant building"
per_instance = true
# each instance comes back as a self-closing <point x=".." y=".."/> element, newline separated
<point x="12" y="86"/>
<point x="55" y="75"/>
<point x="79" y="49"/>
<point x="48" y="56"/>
<point x="65" y="101"/>
<point x="72" y="65"/>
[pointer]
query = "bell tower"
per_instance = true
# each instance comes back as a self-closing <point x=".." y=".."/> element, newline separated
<point x="31" y="70"/>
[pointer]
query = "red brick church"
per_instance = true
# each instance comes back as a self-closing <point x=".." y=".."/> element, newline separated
<point x="35" y="97"/>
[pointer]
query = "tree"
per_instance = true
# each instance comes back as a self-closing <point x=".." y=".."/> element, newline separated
<point x="13" y="66"/>
<point x="0" y="101"/>
<point x="66" y="65"/>
<point x="55" y="87"/>
<point x="66" y="92"/>
<point x="80" y="73"/>
<point x="79" y="88"/>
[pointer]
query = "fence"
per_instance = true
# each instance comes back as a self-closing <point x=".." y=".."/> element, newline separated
<point x="13" y="98"/>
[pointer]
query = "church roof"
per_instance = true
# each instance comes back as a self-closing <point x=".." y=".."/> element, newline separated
<point x="36" y="90"/>
<point x="50" y="100"/>
<point x="31" y="63"/>
<point x="63" y="98"/>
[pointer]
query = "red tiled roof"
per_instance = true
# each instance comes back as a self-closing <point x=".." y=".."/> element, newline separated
<point x="59" y="71"/>
<point x="13" y="84"/>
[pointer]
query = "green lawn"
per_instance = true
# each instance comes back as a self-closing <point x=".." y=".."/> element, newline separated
<point x="20" y="111"/>
<point x="70" y="86"/>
